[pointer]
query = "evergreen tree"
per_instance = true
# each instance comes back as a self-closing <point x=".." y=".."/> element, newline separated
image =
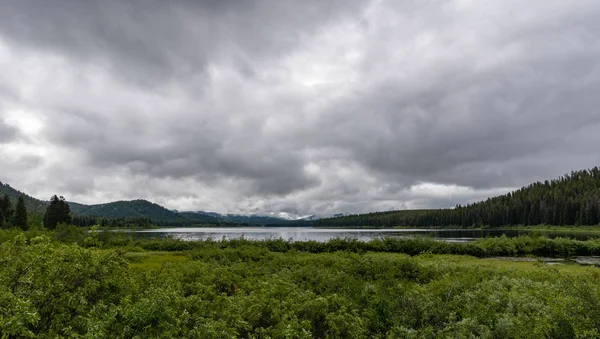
<point x="6" y="208"/>
<point x="2" y="222"/>
<point x="57" y="212"/>
<point x="20" y="218"/>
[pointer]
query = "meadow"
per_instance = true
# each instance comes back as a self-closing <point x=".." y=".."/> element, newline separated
<point x="71" y="283"/>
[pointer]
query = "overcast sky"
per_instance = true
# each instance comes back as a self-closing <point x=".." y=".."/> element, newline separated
<point x="313" y="106"/>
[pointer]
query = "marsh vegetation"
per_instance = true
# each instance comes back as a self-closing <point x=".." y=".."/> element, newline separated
<point x="71" y="283"/>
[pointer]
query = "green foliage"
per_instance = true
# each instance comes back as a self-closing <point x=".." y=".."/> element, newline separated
<point x="35" y="219"/>
<point x="20" y="218"/>
<point x="271" y="289"/>
<point x="68" y="234"/>
<point x="49" y="291"/>
<point x="57" y="212"/>
<point x="93" y="239"/>
<point x="573" y="199"/>
<point x="486" y="247"/>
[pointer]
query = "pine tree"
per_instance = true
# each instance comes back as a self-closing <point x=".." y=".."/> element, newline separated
<point x="65" y="212"/>
<point x="57" y="212"/>
<point x="2" y="222"/>
<point x="6" y="208"/>
<point x="20" y="218"/>
<point x="51" y="215"/>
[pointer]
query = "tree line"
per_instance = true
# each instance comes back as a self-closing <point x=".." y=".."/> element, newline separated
<point x="57" y="212"/>
<point x="16" y="217"/>
<point x="571" y="200"/>
<point x="87" y="221"/>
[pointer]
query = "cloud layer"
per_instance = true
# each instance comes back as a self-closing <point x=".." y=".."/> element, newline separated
<point x="303" y="107"/>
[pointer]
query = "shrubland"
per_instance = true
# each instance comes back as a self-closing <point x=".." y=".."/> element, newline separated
<point x="94" y="284"/>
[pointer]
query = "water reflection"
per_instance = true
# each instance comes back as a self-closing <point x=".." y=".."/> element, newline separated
<point x="322" y="235"/>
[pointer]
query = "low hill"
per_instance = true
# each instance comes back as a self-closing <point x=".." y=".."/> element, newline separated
<point x="124" y="211"/>
<point x="255" y="219"/>
<point x="571" y="200"/>
<point x="33" y="205"/>
<point x="130" y="209"/>
<point x="200" y="218"/>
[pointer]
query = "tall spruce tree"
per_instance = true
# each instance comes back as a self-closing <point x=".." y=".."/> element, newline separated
<point x="57" y="212"/>
<point x="20" y="218"/>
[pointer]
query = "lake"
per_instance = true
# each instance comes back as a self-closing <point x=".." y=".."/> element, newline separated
<point x="322" y="234"/>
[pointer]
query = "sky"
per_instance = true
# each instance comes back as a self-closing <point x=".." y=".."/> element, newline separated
<point x="305" y="107"/>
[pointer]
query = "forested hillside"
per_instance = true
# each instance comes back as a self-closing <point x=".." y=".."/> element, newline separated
<point x="33" y="205"/>
<point x="130" y="209"/>
<point x="201" y="218"/>
<point x="573" y="199"/>
<point x="263" y="220"/>
<point x="242" y="220"/>
<point x="142" y="213"/>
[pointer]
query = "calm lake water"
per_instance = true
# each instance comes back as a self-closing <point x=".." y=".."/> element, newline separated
<point x="321" y="234"/>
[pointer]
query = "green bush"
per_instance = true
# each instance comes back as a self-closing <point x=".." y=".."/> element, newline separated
<point x="52" y="286"/>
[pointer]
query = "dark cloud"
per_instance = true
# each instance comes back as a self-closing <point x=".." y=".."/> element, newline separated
<point x="150" y="42"/>
<point x="471" y="124"/>
<point x="300" y="107"/>
<point x="7" y="133"/>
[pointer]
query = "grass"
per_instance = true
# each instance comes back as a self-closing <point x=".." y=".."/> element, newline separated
<point x="505" y="265"/>
<point x="155" y="260"/>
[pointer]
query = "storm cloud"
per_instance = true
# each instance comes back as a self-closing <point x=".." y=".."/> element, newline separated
<point x="7" y="132"/>
<point x="298" y="106"/>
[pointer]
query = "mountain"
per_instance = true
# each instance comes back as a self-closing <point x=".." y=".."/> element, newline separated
<point x="143" y="209"/>
<point x="572" y="200"/>
<point x="200" y="218"/>
<point x="254" y="219"/>
<point x="32" y="204"/>
<point x="130" y="209"/>
<point x="279" y="219"/>
<point x="136" y="209"/>
<point x="294" y="217"/>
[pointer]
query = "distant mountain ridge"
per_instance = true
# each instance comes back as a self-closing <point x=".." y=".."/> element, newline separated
<point x="129" y="209"/>
<point x="200" y="217"/>
<point x="248" y="219"/>
<point x="140" y="208"/>
<point x="114" y="210"/>
<point x="572" y="199"/>
<point x="32" y="204"/>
